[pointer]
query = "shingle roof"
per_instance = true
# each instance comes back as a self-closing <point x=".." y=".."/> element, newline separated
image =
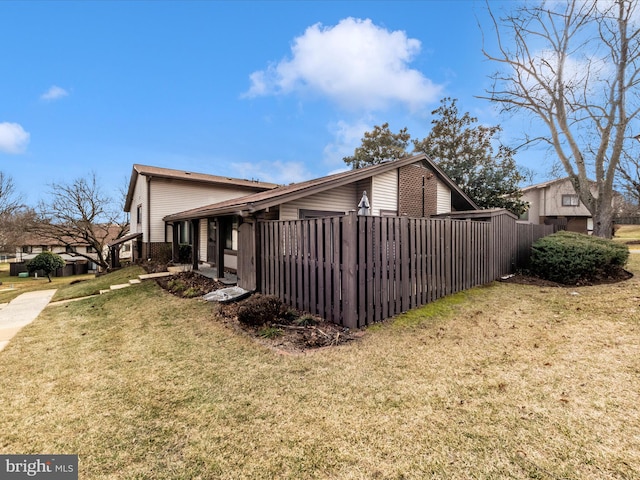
<point x="544" y="184"/>
<point x="169" y="173"/>
<point x="107" y="233"/>
<point x="279" y="195"/>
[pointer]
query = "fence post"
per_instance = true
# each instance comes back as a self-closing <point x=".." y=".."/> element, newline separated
<point x="349" y="265"/>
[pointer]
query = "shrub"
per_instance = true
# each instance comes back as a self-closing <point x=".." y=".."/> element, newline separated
<point x="184" y="253"/>
<point x="260" y="309"/>
<point x="306" y="320"/>
<point x="570" y="258"/>
<point x="270" y="332"/>
<point x="192" y="292"/>
<point x="47" y="262"/>
<point x="176" y="286"/>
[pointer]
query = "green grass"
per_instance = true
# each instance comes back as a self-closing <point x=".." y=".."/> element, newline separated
<point x="74" y="286"/>
<point x="504" y="381"/>
<point x="13" y="286"/>
<point x="93" y="285"/>
<point x="626" y="233"/>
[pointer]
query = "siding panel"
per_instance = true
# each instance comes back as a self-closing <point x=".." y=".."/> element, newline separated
<point x="170" y="196"/>
<point x="444" y="198"/>
<point x="340" y="199"/>
<point x="384" y="192"/>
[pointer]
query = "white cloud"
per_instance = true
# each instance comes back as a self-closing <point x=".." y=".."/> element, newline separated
<point x="274" y="172"/>
<point x="13" y="138"/>
<point x="346" y="138"/>
<point x="356" y="64"/>
<point x="54" y="93"/>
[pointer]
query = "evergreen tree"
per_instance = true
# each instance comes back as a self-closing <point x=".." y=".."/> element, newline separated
<point x="379" y="145"/>
<point x="47" y="262"/>
<point x="465" y="151"/>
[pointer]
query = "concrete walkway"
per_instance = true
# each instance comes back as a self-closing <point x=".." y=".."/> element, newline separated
<point x="21" y="311"/>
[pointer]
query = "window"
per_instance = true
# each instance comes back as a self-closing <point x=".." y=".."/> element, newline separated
<point x="305" y="214"/>
<point x="90" y="249"/>
<point x="70" y="249"/>
<point x="184" y="232"/>
<point x="231" y="236"/>
<point x="570" y="201"/>
<point x="27" y="249"/>
<point x="139" y="214"/>
<point x="44" y="248"/>
<point x="388" y="213"/>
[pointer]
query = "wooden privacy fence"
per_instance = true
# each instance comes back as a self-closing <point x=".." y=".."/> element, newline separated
<point x="356" y="270"/>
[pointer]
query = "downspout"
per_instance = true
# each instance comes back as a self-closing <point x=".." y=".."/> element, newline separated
<point x="423" y="194"/>
<point x="148" y="217"/>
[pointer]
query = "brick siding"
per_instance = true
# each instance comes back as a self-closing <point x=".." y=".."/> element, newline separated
<point x="412" y="197"/>
<point x="160" y="251"/>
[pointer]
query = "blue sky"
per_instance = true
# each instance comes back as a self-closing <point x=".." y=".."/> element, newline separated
<point x="277" y="91"/>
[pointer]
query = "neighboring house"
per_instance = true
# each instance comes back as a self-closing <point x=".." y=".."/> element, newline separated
<point x="157" y="192"/>
<point x="413" y="186"/>
<point x="556" y="203"/>
<point x="72" y="250"/>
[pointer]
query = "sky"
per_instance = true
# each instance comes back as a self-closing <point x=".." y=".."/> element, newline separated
<point x="278" y="91"/>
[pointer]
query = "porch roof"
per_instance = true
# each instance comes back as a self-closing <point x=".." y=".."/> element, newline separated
<point x="249" y="204"/>
<point x="126" y="238"/>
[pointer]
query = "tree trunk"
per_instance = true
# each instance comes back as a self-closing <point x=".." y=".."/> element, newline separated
<point x="603" y="220"/>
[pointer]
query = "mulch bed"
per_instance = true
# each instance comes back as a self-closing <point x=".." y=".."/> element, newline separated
<point x="189" y="284"/>
<point x="291" y="336"/>
<point x="524" y="279"/>
<point x="286" y="336"/>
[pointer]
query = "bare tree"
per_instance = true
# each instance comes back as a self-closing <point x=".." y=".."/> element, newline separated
<point x="10" y="201"/>
<point x="15" y="227"/>
<point x="12" y="214"/>
<point x="629" y="180"/>
<point x="575" y="66"/>
<point x="79" y="213"/>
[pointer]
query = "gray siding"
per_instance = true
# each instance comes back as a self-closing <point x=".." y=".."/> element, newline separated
<point x="340" y="199"/>
<point x="139" y="198"/>
<point x="444" y="199"/>
<point x="384" y="194"/>
<point x="170" y="196"/>
<point x="202" y="252"/>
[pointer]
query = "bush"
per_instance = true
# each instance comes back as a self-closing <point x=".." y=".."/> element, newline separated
<point x="570" y="258"/>
<point x="184" y="253"/>
<point x="270" y="332"/>
<point x="260" y="309"/>
<point x="48" y="262"/>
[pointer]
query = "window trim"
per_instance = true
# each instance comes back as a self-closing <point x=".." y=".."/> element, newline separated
<point x="569" y="198"/>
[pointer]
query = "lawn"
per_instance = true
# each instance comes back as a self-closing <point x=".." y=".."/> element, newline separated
<point x="503" y="381"/>
<point x="627" y="233"/>
<point x="13" y="286"/>
<point x="74" y="286"/>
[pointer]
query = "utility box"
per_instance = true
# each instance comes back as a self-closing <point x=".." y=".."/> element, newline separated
<point x="23" y="275"/>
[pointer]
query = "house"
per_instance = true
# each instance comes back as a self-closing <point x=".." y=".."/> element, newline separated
<point x="412" y="186"/>
<point x="76" y="253"/>
<point x="157" y="192"/>
<point x="556" y="203"/>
